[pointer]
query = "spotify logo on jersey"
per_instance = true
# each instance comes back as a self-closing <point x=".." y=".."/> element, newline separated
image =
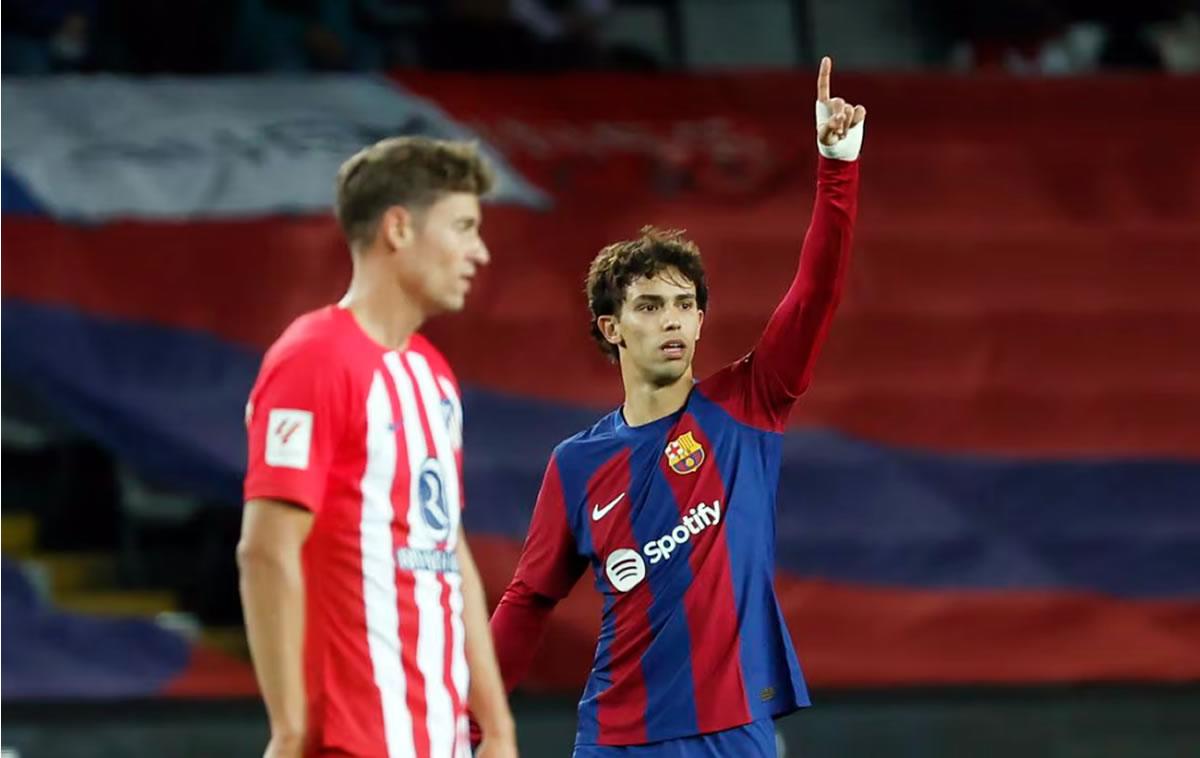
<point x="625" y="569"/>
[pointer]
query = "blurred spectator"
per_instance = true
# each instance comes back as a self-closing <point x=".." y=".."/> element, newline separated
<point x="392" y="29"/>
<point x="292" y="35"/>
<point x="1006" y="35"/>
<point x="177" y="37"/>
<point x="524" y="35"/>
<point x="1072" y="36"/>
<point x="327" y="35"/>
<point x="556" y="22"/>
<point x="1127" y="40"/>
<point x="46" y="36"/>
<point x="1178" y="40"/>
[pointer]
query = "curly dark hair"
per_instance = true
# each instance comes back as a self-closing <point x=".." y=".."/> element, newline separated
<point x="622" y="263"/>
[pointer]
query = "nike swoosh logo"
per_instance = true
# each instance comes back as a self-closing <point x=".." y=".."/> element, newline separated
<point x="599" y="513"/>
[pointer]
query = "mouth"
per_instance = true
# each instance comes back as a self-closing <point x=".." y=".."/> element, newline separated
<point x="673" y="349"/>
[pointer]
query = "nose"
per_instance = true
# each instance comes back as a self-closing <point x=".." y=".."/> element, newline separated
<point x="671" y="322"/>
<point x="480" y="254"/>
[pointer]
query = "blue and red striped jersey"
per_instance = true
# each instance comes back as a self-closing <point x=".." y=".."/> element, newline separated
<point x="676" y="519"/>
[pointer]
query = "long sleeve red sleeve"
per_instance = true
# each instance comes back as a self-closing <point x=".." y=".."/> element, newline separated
<point x="763" y="386"/>
<point x="548" y="568"/>
<point x="518" y="624"/>
<point x="789" y="345"/>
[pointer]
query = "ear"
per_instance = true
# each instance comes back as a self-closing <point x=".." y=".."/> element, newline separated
<point x="699" y="323"/>
<point x="397" y="227"/>
<point x="610" y="327"/>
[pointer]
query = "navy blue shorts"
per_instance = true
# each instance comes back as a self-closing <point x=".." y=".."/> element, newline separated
<point x="754" y="740"/>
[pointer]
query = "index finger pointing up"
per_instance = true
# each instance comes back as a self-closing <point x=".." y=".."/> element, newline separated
<point x="823" y="79"/>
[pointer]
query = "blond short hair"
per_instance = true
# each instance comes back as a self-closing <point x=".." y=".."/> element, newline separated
<point x="414" y="172"/>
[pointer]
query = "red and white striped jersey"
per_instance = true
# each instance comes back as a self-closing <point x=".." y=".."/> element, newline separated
<point x="370" y="440"/>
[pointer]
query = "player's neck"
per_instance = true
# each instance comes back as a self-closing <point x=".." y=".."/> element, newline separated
<point x="646" y="402"/>
<point x="387" y="315"/>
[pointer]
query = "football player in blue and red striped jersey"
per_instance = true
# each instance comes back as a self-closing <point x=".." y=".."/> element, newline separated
<point x="670" y="499"/>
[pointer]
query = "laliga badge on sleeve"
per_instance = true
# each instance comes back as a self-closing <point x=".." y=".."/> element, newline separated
<point x="289" y="438"/>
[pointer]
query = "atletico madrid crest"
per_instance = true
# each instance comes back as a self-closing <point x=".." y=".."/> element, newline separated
<point x="684" y="454"/>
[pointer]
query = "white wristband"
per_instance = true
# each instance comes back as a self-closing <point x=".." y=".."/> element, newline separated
<point x="845" y="149"/>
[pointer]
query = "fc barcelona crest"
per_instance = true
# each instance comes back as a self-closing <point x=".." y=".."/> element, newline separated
<point x="684" y="454"/>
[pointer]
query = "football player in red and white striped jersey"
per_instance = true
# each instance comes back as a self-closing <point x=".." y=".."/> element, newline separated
<point x="364" y="610"/>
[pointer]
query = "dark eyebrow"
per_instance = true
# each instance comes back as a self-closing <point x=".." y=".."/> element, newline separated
<point x="649" y="298"/>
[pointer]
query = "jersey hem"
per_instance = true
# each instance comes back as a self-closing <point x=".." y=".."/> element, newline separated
<point x="784" y="711"/>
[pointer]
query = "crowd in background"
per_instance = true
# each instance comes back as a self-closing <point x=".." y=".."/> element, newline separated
<point x="227" y="36"/>
<point x="1056" y="37"/>
<point x="224" y="36"/>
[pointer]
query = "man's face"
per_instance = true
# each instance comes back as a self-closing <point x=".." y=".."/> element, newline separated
<point x="658" y="325"/>
<point x="445" y="253"/>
